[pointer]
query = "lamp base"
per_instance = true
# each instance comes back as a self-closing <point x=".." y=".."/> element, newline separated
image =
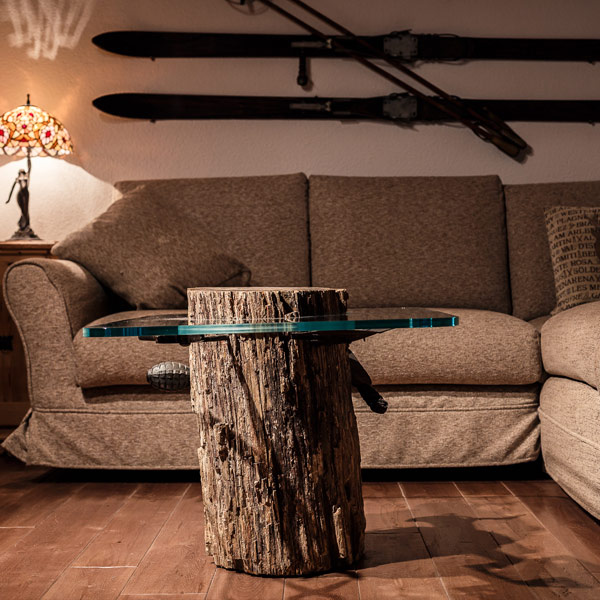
<point x="24" y="234"/>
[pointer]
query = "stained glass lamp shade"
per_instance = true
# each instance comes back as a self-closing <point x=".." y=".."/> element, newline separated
<point x="30" y="131"/>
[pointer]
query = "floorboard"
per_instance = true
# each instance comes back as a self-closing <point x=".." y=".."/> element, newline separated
<point x="543" y="562"/>
<point x="576" y="530"/>
<point x="468" y="559"/>
<point x="127" y="538"/>
<point x="431" y="535"/>
<point x="10" y="535"/>
<point x="430" y="489"/>
<point x="228" y="585"/>
<point x="333" y="586"/>
<point x="90" y="584"/>
<point x="398" y="565"/>
<point x="177" y="563"/>
<point x="30" y="566"/>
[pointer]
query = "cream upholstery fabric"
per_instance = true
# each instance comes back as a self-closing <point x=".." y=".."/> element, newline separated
<point x="571" y="343"/>
<point x="50" y="300"/>
<point x="261" y="221"/>
<point x="450" y="426"/>
<point x="149" y="251"/>
<point x="570" y="417"/>
<point x="115" y="429"/>
<point x="426" y="426"/>
<point x="573" y="234"/>
<point x="411" y="241"/>
<point x="538" y="322"/>
<point x="122" y="360"/>
<point x="531" y="276"/>
<point x="486" y="348"/>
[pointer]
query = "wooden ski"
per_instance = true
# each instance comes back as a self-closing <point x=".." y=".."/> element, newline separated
<point x="395" y="107"/>
<point x="400" y="45"/>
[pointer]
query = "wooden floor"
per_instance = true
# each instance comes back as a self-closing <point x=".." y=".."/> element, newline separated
<point x="67" y="535"/>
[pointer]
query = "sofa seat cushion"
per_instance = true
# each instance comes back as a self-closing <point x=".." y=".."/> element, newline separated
<point x="571" y="342"/>
<point x="122" y="360"/>
<point x="486" y="348"/>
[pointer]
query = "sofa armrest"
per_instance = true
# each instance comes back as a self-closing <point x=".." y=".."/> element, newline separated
<point x="570" y="342"/>
<point x="50" y="300"/>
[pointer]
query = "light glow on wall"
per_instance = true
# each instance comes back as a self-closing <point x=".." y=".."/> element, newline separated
<point x="45" y="26"/>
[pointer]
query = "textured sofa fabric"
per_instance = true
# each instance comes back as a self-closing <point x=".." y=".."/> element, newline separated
<point x="262" y="221"/>
<point x="114" y="428"/>
<point x="149" y="252"/>
<point x="487" y="348"/>
<point x="50" y="300"/>
<point x="571" y="343"/>
<point x="570" y="402"/>
<point x="531" y="275"/>
<point x="457" y="397"/>
<point x="450" y="426"/>
<point x="570" y="420"/>
<point x="122" y="360"/>
<point x="411" y="241"/>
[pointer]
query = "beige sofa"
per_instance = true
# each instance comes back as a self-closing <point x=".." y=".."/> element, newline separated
<point x="461" y="396"/>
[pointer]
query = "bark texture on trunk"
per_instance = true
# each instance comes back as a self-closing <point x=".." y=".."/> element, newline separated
<point x="279" y="453"/>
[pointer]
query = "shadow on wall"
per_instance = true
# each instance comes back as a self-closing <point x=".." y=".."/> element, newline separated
<point x="45" y="26"/>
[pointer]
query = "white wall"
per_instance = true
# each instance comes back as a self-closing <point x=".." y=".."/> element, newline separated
<point x="67" y="194"/>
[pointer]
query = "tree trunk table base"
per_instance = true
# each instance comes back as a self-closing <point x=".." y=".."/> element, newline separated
<point x="279" y="454"/>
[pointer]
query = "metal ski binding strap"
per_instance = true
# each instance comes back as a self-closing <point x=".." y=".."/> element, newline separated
<point x="401" y="44"/>
<point x="400" y="106"/>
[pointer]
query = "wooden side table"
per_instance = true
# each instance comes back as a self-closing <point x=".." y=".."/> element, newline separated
<point x="14" y="399"/>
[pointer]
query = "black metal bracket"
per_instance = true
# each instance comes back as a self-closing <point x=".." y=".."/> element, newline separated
<point x="302" y="80"/>
<point x="401" y="107"/>
<point x="6" y="342"/>
<point x="401" y="44"/>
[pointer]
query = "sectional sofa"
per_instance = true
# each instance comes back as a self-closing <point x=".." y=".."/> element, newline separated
<point x="509" y="380"/>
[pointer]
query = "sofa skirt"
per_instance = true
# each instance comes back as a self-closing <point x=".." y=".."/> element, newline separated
<point x="570" y="415"/>
<point x="450" y="426"/>
<point x="425" y="426"/>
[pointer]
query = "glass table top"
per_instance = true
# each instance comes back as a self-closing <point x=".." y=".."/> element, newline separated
<point x="363" y="319"/>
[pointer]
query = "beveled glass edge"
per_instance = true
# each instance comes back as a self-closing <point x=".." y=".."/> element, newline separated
<point x="111" y="330"/>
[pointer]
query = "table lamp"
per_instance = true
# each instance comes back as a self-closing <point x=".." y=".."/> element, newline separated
<point x="30" y="131"/>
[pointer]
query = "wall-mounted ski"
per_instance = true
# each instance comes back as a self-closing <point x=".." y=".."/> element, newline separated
<point x="401" y="45"/>
<point x="396" y="107"/>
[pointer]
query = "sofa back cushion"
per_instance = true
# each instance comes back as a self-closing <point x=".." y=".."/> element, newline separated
<point x="141" y="252"/>
<point x="531" y="274"/>
<point x="411" y="241"/>
<point x="261" y="221"/>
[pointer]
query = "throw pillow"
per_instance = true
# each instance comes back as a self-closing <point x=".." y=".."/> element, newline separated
<point x="149" y="255"/>
<point x="574" y="239"/>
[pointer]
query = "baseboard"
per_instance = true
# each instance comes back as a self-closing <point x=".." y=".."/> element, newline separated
<point x="11" y="413"/>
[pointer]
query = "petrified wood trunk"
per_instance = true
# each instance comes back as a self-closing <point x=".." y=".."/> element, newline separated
<point x="279" y="454"/>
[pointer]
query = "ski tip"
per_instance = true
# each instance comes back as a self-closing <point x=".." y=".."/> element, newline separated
<point x="126" y="43"/>
<point x="116" y="105"/>
<point x="104" y="40"/>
